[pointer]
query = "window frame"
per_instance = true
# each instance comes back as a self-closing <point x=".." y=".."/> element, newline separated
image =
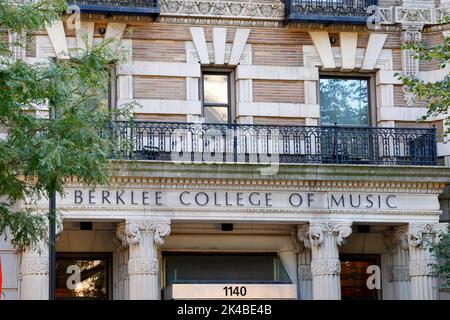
<point x="371" y="96"/>
<point x="108" y="256"/>
<point x="231" y="92"/>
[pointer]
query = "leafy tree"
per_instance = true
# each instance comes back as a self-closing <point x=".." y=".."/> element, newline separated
<point x="38" y="155"/>
<point x="435" y="94"/>
<point x="441" y="250"/>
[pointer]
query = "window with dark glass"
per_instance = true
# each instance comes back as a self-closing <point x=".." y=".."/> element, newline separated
<point x="83" y="276"/>
<point x="354" y="277"/>
<point x="216" y="97"/>
<point x="224" y="268"/>
<point x="344" y="101"/>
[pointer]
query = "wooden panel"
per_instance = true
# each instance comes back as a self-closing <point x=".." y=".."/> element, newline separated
<point x="159" y="50"/>
<point x="165" y="88"/>
<point x="278" y="91"/>
<point x="277" y="55"/>
<point x="279" y="120"/>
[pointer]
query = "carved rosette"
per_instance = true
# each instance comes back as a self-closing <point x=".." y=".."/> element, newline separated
<point x="400" y="273"/>
<point x="421" y="267"/>
<point x="142" y="266"/>
<point x="34" y="266"/>
<point x="316" y="232"/>
<point x="129" y="233"/>
<point x="320" y="267"/>
<point x="304" y="272"/>
<point x="416" y="232"/>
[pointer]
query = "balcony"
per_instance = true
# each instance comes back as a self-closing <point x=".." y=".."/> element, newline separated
<point x="329" y="11"/>
<point x="127" y="7"/>
<point x="236" y="143"/>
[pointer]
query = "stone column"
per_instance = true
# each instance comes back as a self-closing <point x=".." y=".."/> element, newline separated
<point x="324" y="239"/>
<point x="35" y="273"/>
<point x="398" y="243"/>
<point x="122" y="264"/>
<point x="304" y="264"/>
<point x="424" y="285"/>
<point x="143" y="238"/>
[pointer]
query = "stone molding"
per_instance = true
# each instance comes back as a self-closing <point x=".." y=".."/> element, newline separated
<point x="325" y="267"/>
<point x="316" y="231"/>
<point x="129" y="233"/>
<point x="416" y="232"/>
<point x="141" y="266"/>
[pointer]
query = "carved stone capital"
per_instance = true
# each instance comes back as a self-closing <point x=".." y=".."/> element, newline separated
<point x="412" y="33"/>
<point x="34" y="266"/>
<point x="129" y="233"/>
<point x="139" y="266"/>
<point x="325" y="267"/>
<point x="303" y="235"/>
<point x="397" y="238"/>
<point x="340" y="229"/>
<point x="400" y="273"/>
<point x="417" y="231"/>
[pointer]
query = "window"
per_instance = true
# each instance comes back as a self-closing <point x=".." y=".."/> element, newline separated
<point x="224" y="268"/>
<point x="344" y="101"/>
<point x="354" y="276"/>
<point x="217" y="98"/>
<point x="83" y="276"/>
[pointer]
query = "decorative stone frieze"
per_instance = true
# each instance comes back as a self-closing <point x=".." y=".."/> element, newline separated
<point x="142" y="266"/>
<point x="325" y="267"/>
<point x="38" y="265"/>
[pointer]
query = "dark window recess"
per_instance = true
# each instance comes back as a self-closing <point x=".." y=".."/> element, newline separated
<point x="224" y="268"/>
<point x="85" y="225"/>
<point x="83" y="276"/>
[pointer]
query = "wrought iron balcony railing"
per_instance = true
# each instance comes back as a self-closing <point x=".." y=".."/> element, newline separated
<point x="129" y="7"/>
<point x="329" y="11"/>
<point x="236" y="143"/>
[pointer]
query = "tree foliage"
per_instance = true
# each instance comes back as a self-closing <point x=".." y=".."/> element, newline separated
<point x="38" y="155"/>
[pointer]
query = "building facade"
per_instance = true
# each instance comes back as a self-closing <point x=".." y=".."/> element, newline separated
<point x="275" y="155"/>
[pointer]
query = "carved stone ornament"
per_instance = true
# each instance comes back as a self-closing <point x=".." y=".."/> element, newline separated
<point x="303" y="235"/>
<point x="325" y="267"/>
<point x="416" y="232"/>
<point x="34" y="266"/>
<point x="129" y="233"/>
<point x="139" y="266"/>
<point x="400" y="273"/>
<point x="412" y="34"/>
<point x="421" y="267"/>
<point x="317" y="230"/>
<point x="397" y="238"/>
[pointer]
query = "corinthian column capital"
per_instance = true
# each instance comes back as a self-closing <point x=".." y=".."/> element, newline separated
<point x="129" y="233"/>
<point x="340" y="229"/>
<point x="418" y="230"/>
<point x="303" y="235"/>
<point x="397" y="238"/>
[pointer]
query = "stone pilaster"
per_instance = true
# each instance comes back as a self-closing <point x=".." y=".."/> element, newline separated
<point x="424" y="285"/>
<point x="304" y="264"/>
<point x="412" y="34"/>
<point x="122" y="263"/>
<point x="35" y="273"/>
<point x="143" y="238"/>
<point x="324" y="239"/>
<point x="398" y="244"/>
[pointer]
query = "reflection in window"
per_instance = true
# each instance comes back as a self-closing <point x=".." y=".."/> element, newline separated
<point x="344" y="101"/>
<point x="216" y="107"/>
<point x="81" y="278"/>
<point x="354" y="277"/>
<point x="224" y="268"/>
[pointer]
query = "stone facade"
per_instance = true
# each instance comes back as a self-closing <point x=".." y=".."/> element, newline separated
<point x="308" y="214"/>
